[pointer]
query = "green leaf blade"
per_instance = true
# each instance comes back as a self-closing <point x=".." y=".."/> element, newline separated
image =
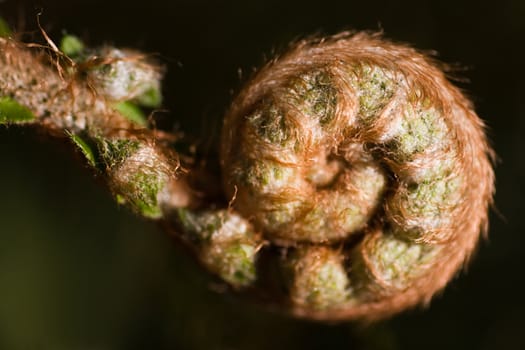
<point x="11" y="112"/>
<point x="132" y="113"/>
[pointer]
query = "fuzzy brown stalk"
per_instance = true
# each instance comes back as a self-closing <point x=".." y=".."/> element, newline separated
<point x="63" y="102"/>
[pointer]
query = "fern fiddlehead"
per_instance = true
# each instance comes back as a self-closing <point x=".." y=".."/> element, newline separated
<point x="356" y="178"/>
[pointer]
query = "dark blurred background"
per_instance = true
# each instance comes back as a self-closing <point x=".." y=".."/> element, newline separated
<point x="78" y="272"/>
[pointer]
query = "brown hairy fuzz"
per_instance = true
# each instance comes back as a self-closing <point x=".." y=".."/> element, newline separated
<point x="365" y="167"/>
<point x="356" y="178"/>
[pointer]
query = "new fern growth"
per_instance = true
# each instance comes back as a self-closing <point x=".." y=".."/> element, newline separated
<point x="356" y="178"/>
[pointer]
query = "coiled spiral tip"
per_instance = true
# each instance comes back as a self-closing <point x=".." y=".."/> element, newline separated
<point x="358" y="177"/>
<point x="366" y="169"/>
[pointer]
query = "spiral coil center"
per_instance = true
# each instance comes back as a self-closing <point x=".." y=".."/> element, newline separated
<point x="297" y="168"/>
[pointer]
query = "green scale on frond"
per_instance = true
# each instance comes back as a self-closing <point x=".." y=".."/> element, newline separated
<point x="11" y="112"/>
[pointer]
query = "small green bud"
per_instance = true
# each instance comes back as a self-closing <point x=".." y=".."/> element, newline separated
<point x="11" y="112"/>
<point x="319" y="279"/>
<point x="385" y="264"/>
<point x="137" y="173"/>
<point x="5" y="30"/>
<point x="226" y="241"/>
<point x="132" y="112"/>
<point x="151" y="98"/>
<point x="71" y="45"/>
<point x="85" y="148"/>
<point x="127" y="77"/>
